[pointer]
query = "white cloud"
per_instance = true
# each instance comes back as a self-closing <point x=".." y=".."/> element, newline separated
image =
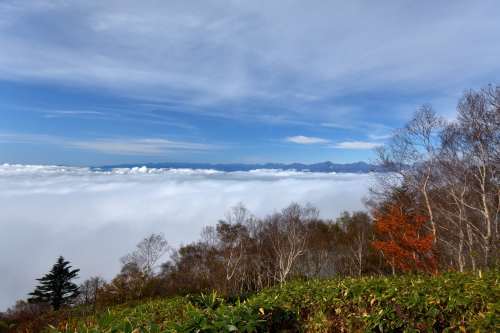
<point x="72" y="113"/>
<point x="137" y="146"/>
<point x="380" y="136"/>
<point x="338" y="125"/>
<point x="115" y="146"/>
<point x="357" y="145"/>
<point x="305" y="140"/>
<point x="93" y="218"/>
<point x="218" y="51"/>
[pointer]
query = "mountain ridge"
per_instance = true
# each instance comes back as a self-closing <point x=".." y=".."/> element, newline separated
<point x="327" y="166"/>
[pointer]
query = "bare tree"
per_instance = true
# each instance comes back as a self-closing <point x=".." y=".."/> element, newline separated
<point x="358" y="232"/>
<point x="89" y="291"/>
<point x="478" y="116"/>
<point x="234" y="245"/>
<point x="147" y="254"/>
<point x="288" y="237"/>
<point x="412" y="153"/>
<point x="453" y="171"/>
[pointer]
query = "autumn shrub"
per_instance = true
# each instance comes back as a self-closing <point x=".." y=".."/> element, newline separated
<point x="403" y="241"/>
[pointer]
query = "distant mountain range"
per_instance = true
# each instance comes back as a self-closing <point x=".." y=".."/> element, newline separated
<point x="358" y="167"/>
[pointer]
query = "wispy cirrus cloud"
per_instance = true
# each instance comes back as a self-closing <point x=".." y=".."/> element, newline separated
<point x="115" y="146"/>
<point x="150" y="146"/>
<point x="338" y="125"/>
<point x="351" y="145"/>
<point x="306" y="140"/>
<point x="212" y="52"/>
<point x="8" y="137"/>
<point x="362" y="145"/>
<point x="380" y="136"/>
<point x="72" y="113"/>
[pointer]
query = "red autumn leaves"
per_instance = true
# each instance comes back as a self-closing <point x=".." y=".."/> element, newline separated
<point x="403" y="240"/>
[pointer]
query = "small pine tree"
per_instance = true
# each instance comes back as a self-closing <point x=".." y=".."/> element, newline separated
<point x="56" y="287"/>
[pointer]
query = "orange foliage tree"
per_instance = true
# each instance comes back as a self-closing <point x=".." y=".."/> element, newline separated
<point x="403" y="241"/>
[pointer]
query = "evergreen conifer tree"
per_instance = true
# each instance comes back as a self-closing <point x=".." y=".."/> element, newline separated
<point x="56" y="287"/>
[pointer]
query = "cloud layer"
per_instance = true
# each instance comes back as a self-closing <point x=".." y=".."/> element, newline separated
<point x="216" y="51"/>
<point x="93" y="218"/>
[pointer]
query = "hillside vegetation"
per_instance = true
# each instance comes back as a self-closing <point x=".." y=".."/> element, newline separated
<point x="410" y="303"/>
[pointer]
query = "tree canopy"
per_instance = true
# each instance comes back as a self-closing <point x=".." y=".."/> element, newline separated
<point x="56" y="287"/>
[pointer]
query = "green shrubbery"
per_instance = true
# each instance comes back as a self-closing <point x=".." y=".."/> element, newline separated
<point x="4" y="327"/>
<point x="452" y="301"/>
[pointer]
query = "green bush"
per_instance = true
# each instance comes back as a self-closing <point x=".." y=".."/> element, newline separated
<point x="4" y="327"/>
<point x="411" y="303"/>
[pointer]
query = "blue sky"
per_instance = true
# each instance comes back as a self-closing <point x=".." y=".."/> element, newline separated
<point x="99" y="82"/>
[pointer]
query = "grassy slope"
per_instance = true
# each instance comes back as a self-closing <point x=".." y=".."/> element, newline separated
<point x="460" y="302"/>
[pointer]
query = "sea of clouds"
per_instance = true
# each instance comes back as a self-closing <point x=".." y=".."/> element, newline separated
<point x="93" y="217"/>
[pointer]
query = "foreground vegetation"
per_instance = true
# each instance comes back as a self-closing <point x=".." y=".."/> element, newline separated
<point x="410" y="303"/>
